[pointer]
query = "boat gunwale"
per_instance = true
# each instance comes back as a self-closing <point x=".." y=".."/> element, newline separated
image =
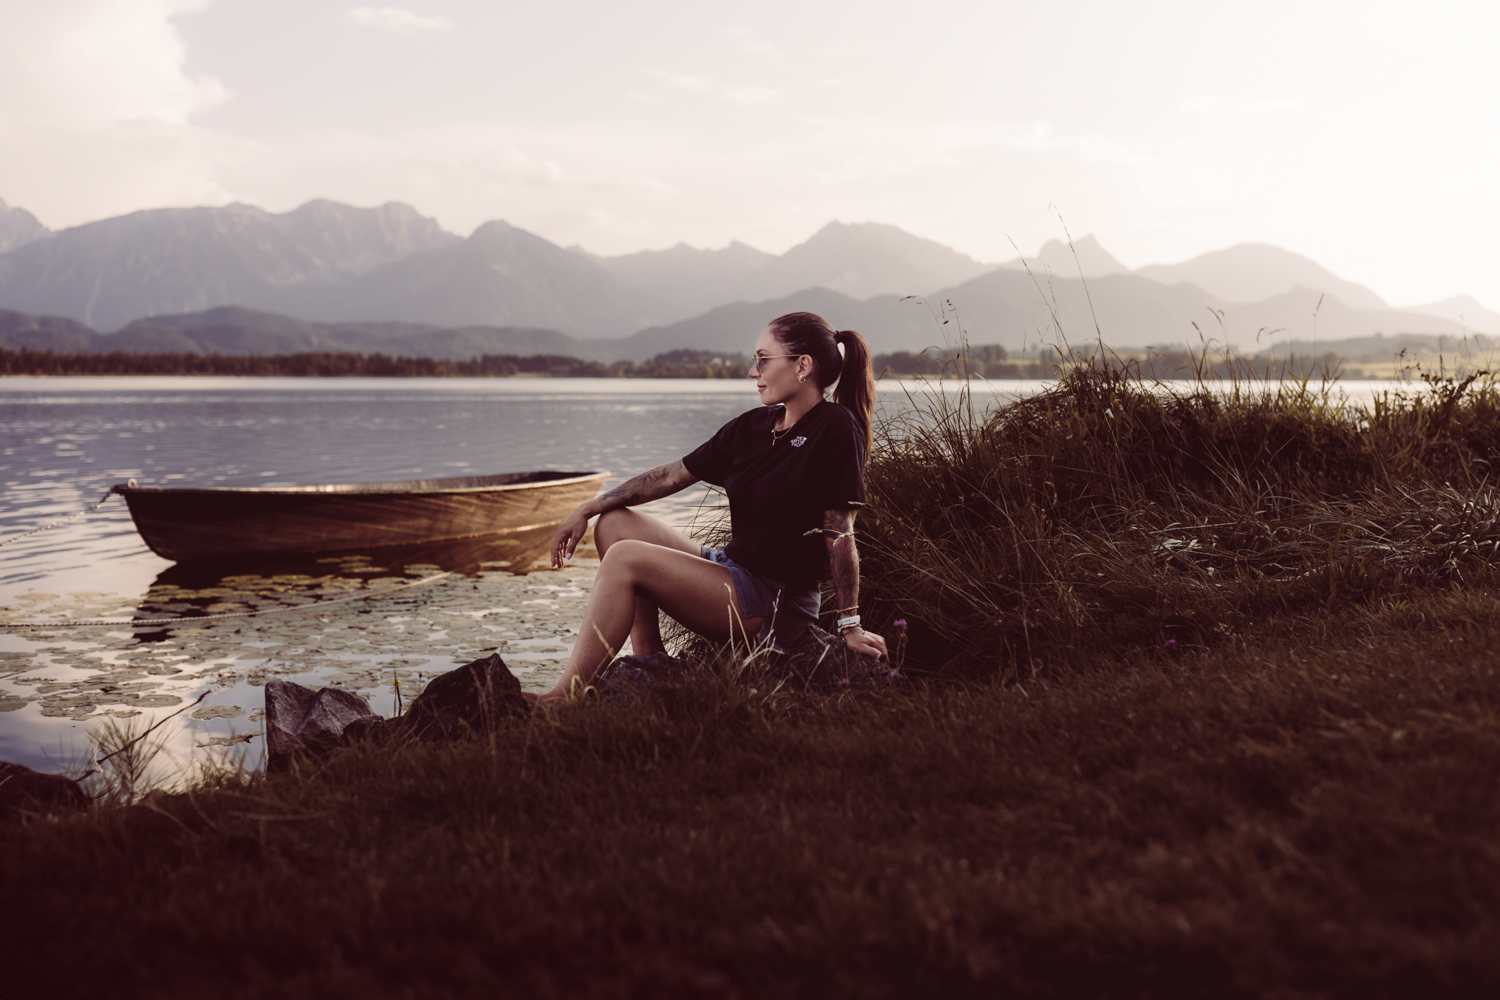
<point x="363" y="489"/>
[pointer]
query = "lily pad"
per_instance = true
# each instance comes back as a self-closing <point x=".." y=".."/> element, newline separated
<point x="217" y="712"/>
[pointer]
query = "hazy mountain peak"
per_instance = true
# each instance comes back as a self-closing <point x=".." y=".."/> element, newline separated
<point x="894" y="239"/>
<point x="350" y="240"/>
<point x="18" y="227"/>
<point x="1057" y="259"/>
<point x="1464" y="310"/>
<point x="865" y="259"/>
<point x="493" y="228"/>
<point x="179" y="260"/>
<point x="1254" y="272"/>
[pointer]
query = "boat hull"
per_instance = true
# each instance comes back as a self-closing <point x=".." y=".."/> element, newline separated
<point x="188" y="524"/>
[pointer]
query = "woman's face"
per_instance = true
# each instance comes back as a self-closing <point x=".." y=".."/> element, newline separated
<point x="776" y="375"/>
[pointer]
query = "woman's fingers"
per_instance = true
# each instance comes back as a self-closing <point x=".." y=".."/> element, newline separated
<point x="563" y="543"/>
<point x="568" y="535"/>
<point x="865" y="643"/>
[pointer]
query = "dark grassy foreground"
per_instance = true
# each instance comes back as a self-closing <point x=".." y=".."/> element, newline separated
<point x="1285" y="782"/>
<point x="1310" y="817"/>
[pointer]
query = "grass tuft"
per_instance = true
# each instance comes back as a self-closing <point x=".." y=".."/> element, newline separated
<point x="1111" y="511"/>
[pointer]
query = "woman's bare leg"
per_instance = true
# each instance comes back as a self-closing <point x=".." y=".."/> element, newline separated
<point x="624" y="523"/>
<point x="698" y="593"/>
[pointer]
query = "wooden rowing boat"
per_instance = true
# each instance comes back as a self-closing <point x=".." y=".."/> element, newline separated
<point x="185" y="524"/>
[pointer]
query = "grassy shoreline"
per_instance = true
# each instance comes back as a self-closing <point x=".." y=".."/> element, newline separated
<point x="1303" y="816"/>
<point x="1205" y="703"/>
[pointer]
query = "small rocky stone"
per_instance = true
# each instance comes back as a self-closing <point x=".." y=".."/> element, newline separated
<point x="24" y="790"/>
<point x="301" y="722"/>
<point x="628" y="676"/>
<point x="477" y="697"/>
<point x="372" y="729"/>
<point x="821" y="661"/>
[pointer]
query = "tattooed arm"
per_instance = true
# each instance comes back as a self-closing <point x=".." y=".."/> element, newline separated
<point x="662" y="481"/>
<point x="838" y="535"/>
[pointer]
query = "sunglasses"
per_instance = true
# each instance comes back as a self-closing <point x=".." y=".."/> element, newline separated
<point x="761" y="359"/>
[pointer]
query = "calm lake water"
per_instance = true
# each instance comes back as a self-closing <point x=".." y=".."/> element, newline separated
<point x="65" y="441"/>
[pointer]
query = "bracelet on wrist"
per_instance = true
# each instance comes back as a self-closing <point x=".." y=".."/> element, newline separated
<point x="845" y="624"/>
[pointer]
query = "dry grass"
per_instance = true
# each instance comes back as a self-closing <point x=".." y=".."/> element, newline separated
<point x="1111" y="512"/>
<point x="1308" y="815"/>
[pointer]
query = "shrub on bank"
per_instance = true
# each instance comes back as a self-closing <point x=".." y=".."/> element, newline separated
<point x="1110" y="510"/>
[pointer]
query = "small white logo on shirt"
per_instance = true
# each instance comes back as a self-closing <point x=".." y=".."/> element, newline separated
<point x="798" y="442"/>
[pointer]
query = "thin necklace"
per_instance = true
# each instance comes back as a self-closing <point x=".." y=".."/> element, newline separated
<point x="778" y="435"/>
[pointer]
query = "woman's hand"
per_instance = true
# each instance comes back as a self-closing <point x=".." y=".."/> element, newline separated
<point x="857" y="640"/>
<point x="662" y="481"/>
<point x="569" y="534"/>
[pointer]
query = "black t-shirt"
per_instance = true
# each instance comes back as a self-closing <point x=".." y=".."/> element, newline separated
<point x="778" y="493"/>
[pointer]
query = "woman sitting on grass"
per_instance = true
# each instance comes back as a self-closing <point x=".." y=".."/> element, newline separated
<point x="793" y="470"/>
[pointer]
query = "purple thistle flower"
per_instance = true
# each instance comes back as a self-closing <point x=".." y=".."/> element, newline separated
<point x="1169" y="644"/>
<point x="894" y="673"/>
<point x="844" y="682"/>
<point x="899" y="624"/>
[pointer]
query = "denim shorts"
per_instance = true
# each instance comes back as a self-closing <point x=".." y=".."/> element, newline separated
<point x="785" y="612"/>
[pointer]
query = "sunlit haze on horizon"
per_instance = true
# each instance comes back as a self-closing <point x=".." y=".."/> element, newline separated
<point x="1360" y="135"/>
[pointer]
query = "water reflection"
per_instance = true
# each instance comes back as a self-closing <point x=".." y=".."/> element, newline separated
<point x="204" y="588"/>
<point x="402" y="612"/>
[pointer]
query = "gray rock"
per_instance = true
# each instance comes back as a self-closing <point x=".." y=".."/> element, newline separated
<point x="371" y="729"/>
<point x="301" y="722"/>
<point x="472" y="700"/>
<point x="476" y="698"/>
<point x="821" y="661"/>
<point x="25" y="790"/>
<point x="817" y="661"/>
<point x="632" y="676"/>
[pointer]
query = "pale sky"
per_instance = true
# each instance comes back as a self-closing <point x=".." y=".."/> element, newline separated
<point x="1363" y="135"/>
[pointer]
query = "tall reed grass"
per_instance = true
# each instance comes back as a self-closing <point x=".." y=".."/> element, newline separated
<point x="1113" y="511"/>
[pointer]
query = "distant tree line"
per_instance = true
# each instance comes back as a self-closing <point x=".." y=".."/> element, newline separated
<point x="672" y="364"/>
<point x="1177" y="363"/>
<point x="981" y="361"/>
<point x="985" y="361"/>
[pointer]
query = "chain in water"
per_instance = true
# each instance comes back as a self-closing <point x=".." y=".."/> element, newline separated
<point x="71" y="517"/>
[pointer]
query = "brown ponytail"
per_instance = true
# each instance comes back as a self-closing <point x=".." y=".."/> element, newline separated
<point x="811" y="334"/>
<point x="856" y="388"/>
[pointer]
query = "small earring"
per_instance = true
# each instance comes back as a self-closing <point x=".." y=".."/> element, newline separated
<point x="801" y="378"/>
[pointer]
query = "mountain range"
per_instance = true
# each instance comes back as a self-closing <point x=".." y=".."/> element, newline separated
<point x="337" y="277"/>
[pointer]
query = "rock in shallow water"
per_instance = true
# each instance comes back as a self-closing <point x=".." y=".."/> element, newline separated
<point x="301" y="722"/>
<point x="476" y="698"/>
<point x="473" y="700"/>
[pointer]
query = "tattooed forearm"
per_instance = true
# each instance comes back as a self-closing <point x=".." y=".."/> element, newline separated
<point x="838" y="535"/>
<point x="662" y="481"/>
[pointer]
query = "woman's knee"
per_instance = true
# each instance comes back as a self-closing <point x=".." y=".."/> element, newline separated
<point x="610" y="528"/>
<point x="624" y="556"/>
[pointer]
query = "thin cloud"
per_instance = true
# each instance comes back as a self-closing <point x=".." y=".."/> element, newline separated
<point x="743" y="96"/>
<point x="1213" y="102"/>
<point x="396" y="19"/>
